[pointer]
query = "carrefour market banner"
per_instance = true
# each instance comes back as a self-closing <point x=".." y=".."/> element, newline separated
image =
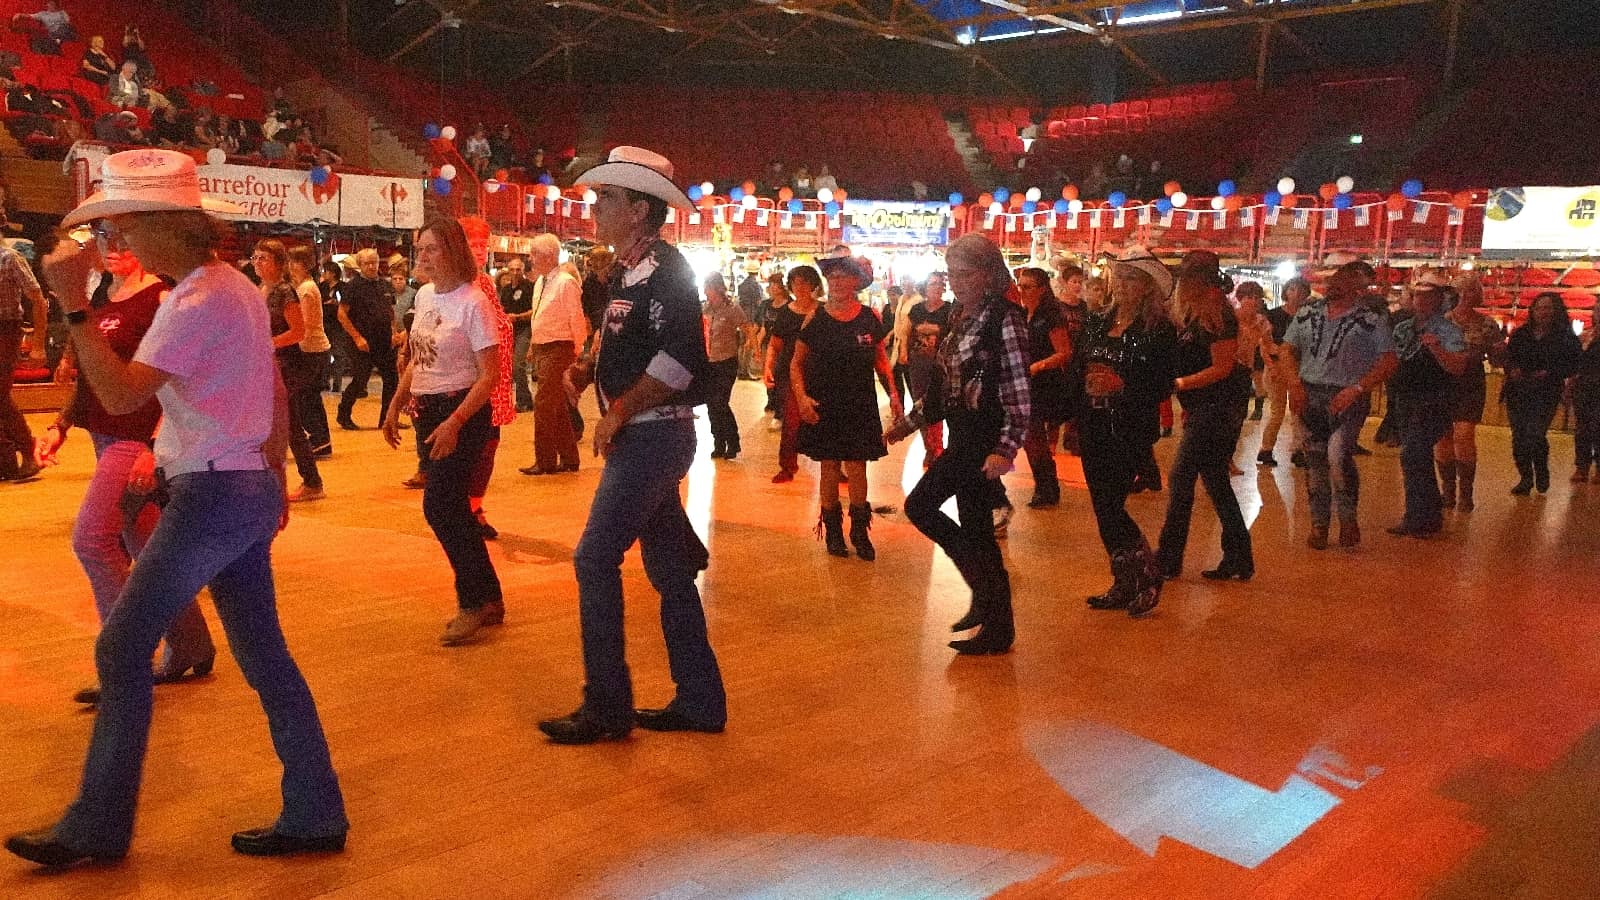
<point x="291" y="196"/>
<point x="896" y="223"/>
<point x="1542" y="223"/>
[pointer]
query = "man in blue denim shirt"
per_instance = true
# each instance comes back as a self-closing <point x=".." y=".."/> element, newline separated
<point x="1339" y="350"/>
<point x="651" y="350"/>
<point x="1432" y="354"/>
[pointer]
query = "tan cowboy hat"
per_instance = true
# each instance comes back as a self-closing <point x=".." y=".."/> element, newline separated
<point x="150" y="180"/>
<point x="638" y="169"/>
<point x="1140" y="258"/>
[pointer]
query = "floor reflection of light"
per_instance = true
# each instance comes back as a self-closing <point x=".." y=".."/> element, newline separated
<point x="702" y="481"/>
<point x="1145" y="792"/>
<point x="798" y="867"/>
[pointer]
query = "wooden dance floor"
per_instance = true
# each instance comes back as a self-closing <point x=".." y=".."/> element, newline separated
<point x="1409" y="719"/>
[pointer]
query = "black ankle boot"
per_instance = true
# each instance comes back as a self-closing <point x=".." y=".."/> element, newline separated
<point x="1541" y="474"/>
<point x="860" y="524"/>
<point x="1525" y="485"/>
<point x="831" y="524"/>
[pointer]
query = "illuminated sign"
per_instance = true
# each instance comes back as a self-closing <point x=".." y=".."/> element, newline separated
<point x="896" y="223"/>
<point x="1542" y="223"/>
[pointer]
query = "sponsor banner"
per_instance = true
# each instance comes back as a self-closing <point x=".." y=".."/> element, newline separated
<point x="896" y="223"/>
<point x="1542" y="223"/>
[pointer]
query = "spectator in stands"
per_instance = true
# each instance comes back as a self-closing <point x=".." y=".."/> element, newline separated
<point x="477" y="152"/>
<point x="919" y="190"/>
<point x="228" y="132"/>
<point x="304" y="148"/>
<point x="167" y="129"/>
<point x="119" y="128"/>
<point x="126" y="90"/>
<point x="133" y="51"/>
<point x="500" y="148"/>
<point x="825" y="179"/>
<point x="204" y="133"/>
<point x="97" y="65"/>
<point x="57" y="27"/>
<point x="272" y="124"/>
<point x="273" y="150"/>
<point x="773" y="179"/>
<point x="537" y="170"/>
<point x="37" y="110"/>
<point x="802" y="184"/>
<point x="281" y="104"/>
<point x="1124" y="180"/>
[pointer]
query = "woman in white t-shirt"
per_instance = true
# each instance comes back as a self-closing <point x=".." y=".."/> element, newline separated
<point x="455" y="365"/>
<point x="316" y="346"/>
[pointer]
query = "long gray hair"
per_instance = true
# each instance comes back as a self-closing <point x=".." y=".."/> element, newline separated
<point x="979" y="252"/>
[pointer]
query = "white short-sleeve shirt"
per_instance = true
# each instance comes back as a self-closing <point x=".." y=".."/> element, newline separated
<point x="447" y="332"/>
<point x="212" y="335"/>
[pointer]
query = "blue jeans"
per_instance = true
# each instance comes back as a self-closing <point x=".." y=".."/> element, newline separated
<point x="112" y="528"/>
<point x="637" y="500"/>
<point x="1331" y="477"/>
<point x="1424" y="421"/>
<point x="217" y="531"/>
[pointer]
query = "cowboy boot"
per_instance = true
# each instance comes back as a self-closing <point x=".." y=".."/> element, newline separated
<point x="1124" y="566"/>
<point x="860" y="524"/>
<point x="1447" y="482"/>
<point x="1466" y="472"/>
<point x="1147" y="583"/>
<point x="830" y="525"/>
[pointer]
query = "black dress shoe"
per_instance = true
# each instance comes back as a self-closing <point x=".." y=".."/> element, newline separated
<point x="579" y="728"/>
<point x="43" y="848"/>
<point x="669" y="719"/>
<point x="271" y="842"/>
<point x="1226" y="570"/>
<point x="348" y="424"/>
<point x="535" y="470"/>
<point x="987" y="642"/>
<point x="971" y="620"/>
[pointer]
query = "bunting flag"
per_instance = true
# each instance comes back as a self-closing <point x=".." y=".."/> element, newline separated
<point x="1094" y="219"/>
<point x="1191" y="221"/>
<point x="694" y="218"/>
<point x="1423" y="209"/>
<point x="1050" y="221"/>
<point x="761" y="217"/>
<point x="1302" y="219"/>
<point x="1247" y="217"/>
<point x="1396" y="215"/>
<point x="1166" y="220"/>
<point x="1220" y="220"/>
<point x="1144" y="215"/>
<point x="672" y="214"/>
<point x="1330" y="218"/>
<point x="738" y="215"/>
<point x="1072" y="220"/>
<point x="836" y="220"/>
<point x="719" y="215"/>
<point x="786" y="220"/>
<point x="1011" y="223"/>
<point x="812" y="219"/>
<point x="988" y="221"/>
<point x="1119" y="218"/>
<point x="1363" y="216"/>
<point x="584" y="210"/>
<point x="1272" y="216"/>
<point x="1457" y="216"/>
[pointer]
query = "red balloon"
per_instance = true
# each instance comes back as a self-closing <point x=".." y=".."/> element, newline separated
<point x="1328" y="191"/>
<point x="749" y="187"/>
<point x="1171" y="187"/>
<point x="1233" y="202"/>
<point x="1016" y="201"/>
<point x="1396" y="202"/>
<point x="840" y="196"/>
<point x="785" y="194"/>
<point x="985" y="199"/>
<point x="958" y="212"/>
<point x="1461" y="200"/>
<point x="1291" y="200"/>
<point x="501" y="175"/>
<point x="1070" y="192"/>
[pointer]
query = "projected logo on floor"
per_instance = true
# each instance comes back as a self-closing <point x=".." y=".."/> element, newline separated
<point x="1145" y="792"/>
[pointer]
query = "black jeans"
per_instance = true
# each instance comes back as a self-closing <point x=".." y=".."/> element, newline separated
<point x="302" y="373"/>
<point x="1531" y="412"/>
<point x="361" y="367"/>
<point x="1210" y="434"/>
<point x="1425" y="419"/>
<point x="1111" y="459"/>
<point x="971" y="544"/>
<point x="445" y="501"/>
<point x="1586" y="409"/>
<point x="720" y="377"/>
<point x="313" y="415"/>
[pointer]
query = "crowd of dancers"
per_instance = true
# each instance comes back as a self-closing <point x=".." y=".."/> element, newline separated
<point x="195" y="397"/>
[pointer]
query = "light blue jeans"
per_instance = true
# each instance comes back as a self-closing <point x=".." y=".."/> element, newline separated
<point x="1332" y="481"/>
<point x="217" y="531"/>
<point x="110" y="533"/>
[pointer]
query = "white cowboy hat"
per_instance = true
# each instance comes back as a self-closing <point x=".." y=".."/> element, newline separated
<point x="639" y="170"/>
<point x="135" y="181"/>
<point x="1140" y="258"/>
<point x="840" y="258"/>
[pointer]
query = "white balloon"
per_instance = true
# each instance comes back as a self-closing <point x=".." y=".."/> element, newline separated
<point x="492" y="186"/>
<point x="448" y="132"/>
<point x="748" y="201"/>
<point x="590" y="196"/>
<point x="552" y="191"/>
<point x="825" y="196"/>
<point x="707" y="188"/>
<point x="1346" y="184"/>
<point x="1074" y="206"/>
<point x="1033" y="195"/>
<point x="1218" y="202"/>
<point x="996" y="208"/>
<point x="1286" y="186"/>
<point x="1180" y="199"/>
<point x="216" y="157"/>
<point x="447" y="172"/>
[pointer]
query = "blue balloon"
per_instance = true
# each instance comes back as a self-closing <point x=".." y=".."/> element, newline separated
<point x="319" y="175"/>
<point x="441" y="187"/>
<point x="1342" y="201"/>
<point x="694" y="193"/>
<point x="1273" y="198"/>
<point x="831" y="208"/>
<point x="1117" y="199"/>
<point x="1001" y="194"/>
<point x="547" y="178"/>
<point x="1227" y="188"/>
<point x="1063" y="206"/>
<point x="1411" y="189"/>
<point x="736" y="193"/>
<point x="1163" y="206"/>
<point x="430" y="131"/>
<point x="956" y="199"/>
<point x="795" y="205"/>
<point x="1029" y="206"/>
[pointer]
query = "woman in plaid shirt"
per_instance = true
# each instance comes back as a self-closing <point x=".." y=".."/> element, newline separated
<point x="983" y="394"/>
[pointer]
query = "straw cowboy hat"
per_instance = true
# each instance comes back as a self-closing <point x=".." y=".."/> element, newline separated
<point x="136" y="181"/>
<point x="1140" y="258"/>
<point x="840" y="259"/>
<point x="639" y="170"/>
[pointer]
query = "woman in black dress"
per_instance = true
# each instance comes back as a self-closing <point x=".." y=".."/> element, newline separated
<point x="985" y="396"/>
<point x="1049" y="351"/>
<point x="1125" y="364"/>
<point x="1539" y="357"/>
<point x="784" y="330"/>
<point x="836" y="353"/>
<point x="1214" y="388"/>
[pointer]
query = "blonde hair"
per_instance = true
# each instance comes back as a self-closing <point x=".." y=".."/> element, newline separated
<point x="1195" y="301"/>
<point x="1152" y="308"/>
<point x="365" y="256"/>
